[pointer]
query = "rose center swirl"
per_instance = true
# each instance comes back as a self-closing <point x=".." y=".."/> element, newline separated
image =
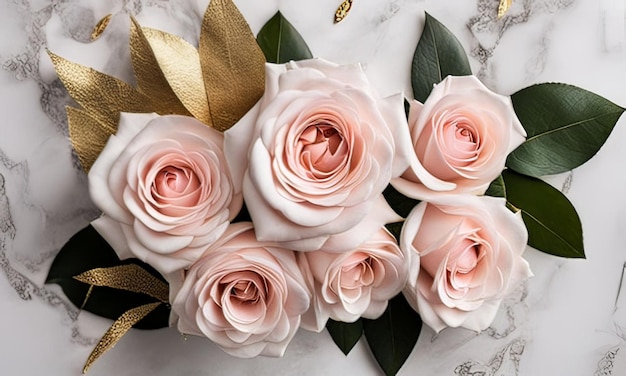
<point x="245" y="287"/>
<point x="358" y="274"/>
<point x="174" y="180"/>
<point x="323" y="150"/>
<point x="462" y="140"/>
<point x="462" y="266"/>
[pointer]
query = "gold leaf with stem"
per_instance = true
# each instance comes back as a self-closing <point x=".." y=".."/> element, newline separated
<point x="130" y="277"/>
<point x="233" y="65"/>
<point x="117" y="331"/>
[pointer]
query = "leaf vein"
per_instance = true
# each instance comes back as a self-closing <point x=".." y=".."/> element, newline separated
<point x="567" y="126"/>
<point x="552" y="232"/>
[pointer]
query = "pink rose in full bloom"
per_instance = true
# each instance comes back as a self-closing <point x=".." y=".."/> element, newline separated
<point x="466" y="255"/>
<point x="315" y="154"/>
<point x="246" y="296"/>
<point x="461" y="136"/>
<point x="165" y="189"/>
<point x="353" y="284"/>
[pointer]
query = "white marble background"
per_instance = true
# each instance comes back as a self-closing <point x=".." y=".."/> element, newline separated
<point x="567" y="320"/>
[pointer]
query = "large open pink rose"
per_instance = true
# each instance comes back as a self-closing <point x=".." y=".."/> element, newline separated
<point x="244" y="295"/>
<point x="165" y="189"/>
<point x="461" y="137"/>
<point x="353" y="284"/>
<point x="466" y="255"/>
<point x="315" y="154"/>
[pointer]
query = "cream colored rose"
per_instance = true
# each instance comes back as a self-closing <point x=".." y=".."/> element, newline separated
<point x="164" y="186"/>
<point x="244" y="295"/>
<point x="466" y="255"/>
<point x="461" y="136"/>
<point x="353" y="284"/>
<point x="315" y="154"/>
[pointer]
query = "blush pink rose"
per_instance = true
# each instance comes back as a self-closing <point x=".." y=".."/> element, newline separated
<point x="461" y="137"/>
<point x="353" y="284"/>
<point x="165" y="189"/>
<point x="315" y="154"/>
<point x="466" y="255"/>
<point x="244" y="295"/>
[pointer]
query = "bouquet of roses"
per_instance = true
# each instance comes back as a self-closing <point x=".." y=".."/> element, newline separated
<point x="248" y="190"/>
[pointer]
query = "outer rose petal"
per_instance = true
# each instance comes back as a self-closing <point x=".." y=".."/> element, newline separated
<point x="306" y="209"/>
<point x="434" y="231"/>
<point x="111" y="231"/>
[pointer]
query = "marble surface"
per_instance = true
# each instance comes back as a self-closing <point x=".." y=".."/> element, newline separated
<point x="570" y="319"/>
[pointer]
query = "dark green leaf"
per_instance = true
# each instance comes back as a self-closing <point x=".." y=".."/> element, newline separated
<point x="566" y="126"/>
<point x="281" y="42"/>
<point x="395" y="229"/>
<point x="345" y="335"/>
<point x="399" y="202"/>
<point x="438" y="54"/>
<point x="87" y="250"/>
<point x="552" y="222"/>
<point x="407" y="107"/>
<point x="392" y="336"/>
<point x="496" y="188"/>
<point x="243" y="216"/>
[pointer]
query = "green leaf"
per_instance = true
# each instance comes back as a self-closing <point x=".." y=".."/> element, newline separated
<point x="438" y="54"/>
<point x="243" y="216"/>
<point x="395" y="229"/>
<point x="399" y="202"/>
<point x="566" y="125"/>
<point x="393" y="335"/>
<point x="345" y="335"/>
<point x="552" y="222"/>
<point x="496" y="188"/>
<point x="407" y="107"/>
<point x="281" y="42"/>
<point x="87" y="250"/>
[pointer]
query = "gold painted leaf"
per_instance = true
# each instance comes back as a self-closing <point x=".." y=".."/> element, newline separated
<point x="180" y="63"/>
<point x="131" y="277"/>
<point x="103" y="96"/>
<point x="88" y="135"/>
<point x="150" y="79"/>
<point x="117" y="331"/>
<point x="503" y="7"/>
<point x="233" y="65"/>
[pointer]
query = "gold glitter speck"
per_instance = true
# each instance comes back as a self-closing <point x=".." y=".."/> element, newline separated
<point x="100" y="26"/>
<point x="504" y="7"/>
<point x="343" y="10"/>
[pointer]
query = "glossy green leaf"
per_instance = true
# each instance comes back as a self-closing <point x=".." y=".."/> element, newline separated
<point x="551" y="219"/>
<point x="565" y="126"/>
<point x="243" y="216"/>
<point x="393" y="335"/>
<point x="395" y="229"/>
<point x="496" y="188"/>
<point x="438" y="54"/>
<point x="345" y="335"/>
<point x="399" y="202"/>
<point x="281" y="42"/>
<point x="87" y="250"/>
